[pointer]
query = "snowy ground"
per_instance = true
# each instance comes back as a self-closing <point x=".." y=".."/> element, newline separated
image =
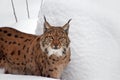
<point x="22" y="77"/>
<point x="94" y="33"/>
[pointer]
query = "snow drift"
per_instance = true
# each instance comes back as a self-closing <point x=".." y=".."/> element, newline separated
<point x="94" y="33"/>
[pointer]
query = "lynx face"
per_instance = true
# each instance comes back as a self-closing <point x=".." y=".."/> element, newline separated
<point x="55" y="39"/>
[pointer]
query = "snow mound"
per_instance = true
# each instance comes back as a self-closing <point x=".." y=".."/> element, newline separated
<point x="22" y="77"/>
<point x="94" y="37"/>
<point x="27" y="26"/>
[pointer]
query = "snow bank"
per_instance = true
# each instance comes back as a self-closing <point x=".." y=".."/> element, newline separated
<point x="6" y="12"/>
<point x="27" y="26"/>
<point x="94" y="33"/>
<point x="22" y="77"/>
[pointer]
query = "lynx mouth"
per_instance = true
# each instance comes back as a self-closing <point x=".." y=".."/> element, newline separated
<point x="57" y="52"/>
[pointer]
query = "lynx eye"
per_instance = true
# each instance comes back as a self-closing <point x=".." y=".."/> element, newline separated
<point x="49" y="38"/>
<point x="62" y="39"/>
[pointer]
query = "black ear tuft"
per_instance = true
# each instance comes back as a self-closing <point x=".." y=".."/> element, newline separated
<point x="69" y="21"/>
<point x="45" y="19"/>
<point x="66" y="26"/>
<point x="46" y="25"/>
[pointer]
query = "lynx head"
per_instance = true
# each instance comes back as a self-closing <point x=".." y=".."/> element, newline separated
<point x="55" y="39"/>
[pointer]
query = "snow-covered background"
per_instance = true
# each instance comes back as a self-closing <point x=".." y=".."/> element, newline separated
<point x="94" y="33"/>
<point x="24" y="24"/>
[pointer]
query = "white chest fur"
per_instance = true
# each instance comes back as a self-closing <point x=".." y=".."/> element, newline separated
<point x="57" y="52"/>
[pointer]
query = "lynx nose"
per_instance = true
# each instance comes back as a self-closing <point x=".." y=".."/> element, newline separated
<point x="55" y="47"/>
<point x="55" y="44"/>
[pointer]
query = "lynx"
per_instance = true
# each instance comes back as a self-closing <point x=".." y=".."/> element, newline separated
<point x="41" y="55"/>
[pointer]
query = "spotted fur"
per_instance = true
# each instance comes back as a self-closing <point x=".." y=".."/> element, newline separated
<point x="45" y="55"/>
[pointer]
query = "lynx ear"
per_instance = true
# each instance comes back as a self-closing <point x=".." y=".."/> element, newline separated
<point x="46" y="25"/>
<point x="66" y="26"/>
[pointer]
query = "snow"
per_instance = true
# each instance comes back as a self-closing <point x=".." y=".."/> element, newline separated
<point x="94" y="34"/>
<point x="22" y="77"/>
<point x="27" y="26"/>
<point x="6" y="11"/>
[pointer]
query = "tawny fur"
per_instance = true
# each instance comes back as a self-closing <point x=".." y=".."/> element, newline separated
<point x="27" y="54"/>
